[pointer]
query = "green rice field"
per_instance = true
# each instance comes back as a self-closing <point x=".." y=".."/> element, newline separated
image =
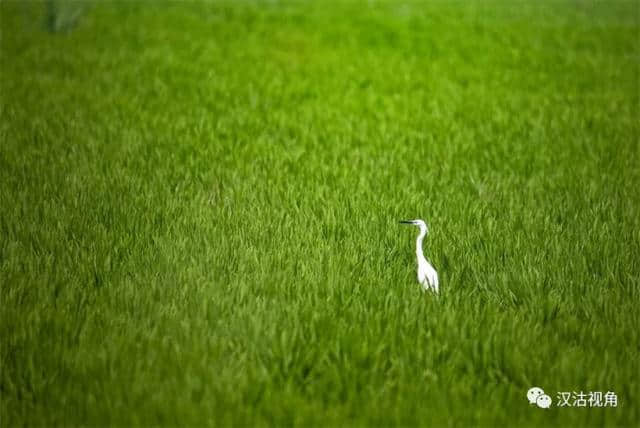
<point x="199" y="206"/>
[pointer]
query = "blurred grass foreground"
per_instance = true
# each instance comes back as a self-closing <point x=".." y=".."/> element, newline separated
<point x="199" y="206"/>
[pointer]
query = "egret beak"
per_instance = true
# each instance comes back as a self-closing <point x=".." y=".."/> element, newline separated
<point x="406" y="222"/>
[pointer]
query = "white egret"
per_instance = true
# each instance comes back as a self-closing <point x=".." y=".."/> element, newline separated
<point x="427" y="275"/>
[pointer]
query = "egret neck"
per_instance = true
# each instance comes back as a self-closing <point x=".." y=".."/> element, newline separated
<point x="423" y="233"/>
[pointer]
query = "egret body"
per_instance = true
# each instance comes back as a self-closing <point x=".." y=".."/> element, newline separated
<point x="427" y="275"/>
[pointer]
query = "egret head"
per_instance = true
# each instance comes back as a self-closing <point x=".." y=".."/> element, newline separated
<point x="420" y="223"/>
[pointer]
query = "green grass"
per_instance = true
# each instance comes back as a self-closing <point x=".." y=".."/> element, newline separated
<point x="199" y="206"/>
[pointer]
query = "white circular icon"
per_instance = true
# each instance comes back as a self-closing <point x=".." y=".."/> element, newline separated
<point x="533" y="394"/>
<point x="543" y="401"/>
